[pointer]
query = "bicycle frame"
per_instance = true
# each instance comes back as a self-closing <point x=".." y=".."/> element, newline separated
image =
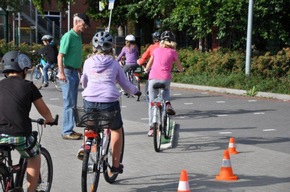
<point x="8" y="169"/>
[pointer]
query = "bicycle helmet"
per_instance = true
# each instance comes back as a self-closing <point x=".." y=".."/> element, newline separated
<point x="130" y="38"/>
<point x="167" y="36"/>
<point x="47" y="38"/>
<point x="102" y="40"/>
<point x="156" y="36"/>
<point x="15" y="61"/>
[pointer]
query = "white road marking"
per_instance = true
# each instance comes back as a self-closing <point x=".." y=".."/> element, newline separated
<point x="259" y="113"/>
<point x="223" y="115"/>
<point x="220" y="102"/>
<point x="224" y="133"/>
<point x="188" y="103"/>
<point x="252" y="101"/>
<point x="269" y="130"/>
<point x="177" y="94"/>
<point x="54" y="99"/>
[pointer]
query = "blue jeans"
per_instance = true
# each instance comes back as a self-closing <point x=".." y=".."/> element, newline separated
<point x="70" y="98"/>
<point x="45" y="69"/>
<point x="110" y="106"/>
<point x="153" y="94"/>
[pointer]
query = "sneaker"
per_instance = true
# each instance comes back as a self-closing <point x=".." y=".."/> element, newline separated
<point x="76" y="133"/>
<point x="80" y="154"/>
<point x="169" y="109"/>
<point x="150" y="132"/>
<point x="118" y="170"/>
<point x="71" y="136"/>
<point x="44" y="85"/>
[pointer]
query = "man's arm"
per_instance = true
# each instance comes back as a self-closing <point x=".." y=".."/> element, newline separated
<point x="61" y="74"/>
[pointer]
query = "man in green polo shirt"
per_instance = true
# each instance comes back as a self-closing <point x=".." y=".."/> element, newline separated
<point x="69" y="63"/>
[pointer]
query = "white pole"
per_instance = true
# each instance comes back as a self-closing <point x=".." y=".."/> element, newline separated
<point x="110" y="20"/>
<point x="68" y="16"/>
<point x="19" y="27"/>
<point x="249" y="37"/>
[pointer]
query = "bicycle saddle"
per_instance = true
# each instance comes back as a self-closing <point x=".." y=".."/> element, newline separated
<point x="159" y="86"/>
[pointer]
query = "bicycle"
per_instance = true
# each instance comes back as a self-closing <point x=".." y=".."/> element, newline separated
<point x="97" y="152"/>
<point x="37" y="75"/>
<point x="161" y="120"/>
<point x="13" y="176"/>
<point x="133" y="74"/>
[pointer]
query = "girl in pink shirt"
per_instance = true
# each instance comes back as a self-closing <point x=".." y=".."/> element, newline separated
<point x="160" y="65"/>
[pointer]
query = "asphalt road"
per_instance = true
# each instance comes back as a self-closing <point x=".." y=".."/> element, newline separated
<point x="204" y="123"/>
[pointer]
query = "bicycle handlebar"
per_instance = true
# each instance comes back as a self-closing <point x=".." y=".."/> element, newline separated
<point x="40" y="121"/>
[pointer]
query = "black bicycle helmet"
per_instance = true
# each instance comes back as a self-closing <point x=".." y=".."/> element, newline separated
<point x="15" y="61"/>
<point x="156" y="36"/>
<point x="102" y="40"/>
<point x="47" y="38"/>
<point x="167" y="36"/>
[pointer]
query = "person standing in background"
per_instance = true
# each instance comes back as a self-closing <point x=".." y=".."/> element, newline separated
<point x="69" y="63"/>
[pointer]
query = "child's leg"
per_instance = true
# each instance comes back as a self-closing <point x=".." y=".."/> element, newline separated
<point x="33" y="171"/>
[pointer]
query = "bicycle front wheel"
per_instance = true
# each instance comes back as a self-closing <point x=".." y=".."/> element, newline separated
<point x="157" y="132"/>
<point x="91" y="169"/>
<point x="37" y="77"/>
<point x="166" y="126"/>
<point x="136" y="81"/>
<point x="46" y="173"/>
<point x="3" y="177"/>
<point x="56" y="80"/>
<point x="108" y="163"/>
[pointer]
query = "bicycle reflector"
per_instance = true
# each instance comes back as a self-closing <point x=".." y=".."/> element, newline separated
<point x="90" y="134"/>
<point x="158" y="104"/>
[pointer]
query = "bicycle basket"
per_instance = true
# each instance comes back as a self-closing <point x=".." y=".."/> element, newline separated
<point x="93" y="120"/>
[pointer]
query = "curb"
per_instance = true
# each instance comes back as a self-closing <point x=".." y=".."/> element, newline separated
<point x="283" y="97"/>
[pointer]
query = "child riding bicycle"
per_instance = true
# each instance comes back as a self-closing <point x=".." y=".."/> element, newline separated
<point x="131" y="53"/>
<point x="101" y="72"/>
<point x="50" y="52"/>
<point x="160" y="65"/>
<point x="16" y="97"/>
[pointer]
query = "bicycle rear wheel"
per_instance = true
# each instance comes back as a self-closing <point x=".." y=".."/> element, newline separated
<point x="46" y="173"/>
<point x="37" y="77"/>
<point x="157" y="132"/>
<point x="90" y="168"/>
<point x="108" y="163"/>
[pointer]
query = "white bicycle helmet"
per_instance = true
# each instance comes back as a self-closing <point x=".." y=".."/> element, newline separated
<point x="15" y="61"/>
<point x="47" y="38"/>
<point x="130" y="38"/>
<point x="102" y="40"/>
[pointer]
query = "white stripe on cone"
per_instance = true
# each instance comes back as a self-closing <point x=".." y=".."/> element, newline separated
<point x="183" y="185"/>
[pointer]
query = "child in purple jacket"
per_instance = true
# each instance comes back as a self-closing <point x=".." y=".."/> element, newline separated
<point x="101" y="72"/>
<point x="131" y="53"/>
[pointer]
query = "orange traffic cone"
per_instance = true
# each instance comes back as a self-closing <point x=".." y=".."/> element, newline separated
<point x="183" y="185"/>
<point x="226" y="172"/>
<point x="232" y="146"/>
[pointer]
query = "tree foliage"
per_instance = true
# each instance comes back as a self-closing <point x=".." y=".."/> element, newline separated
<point x="196" y="18"/>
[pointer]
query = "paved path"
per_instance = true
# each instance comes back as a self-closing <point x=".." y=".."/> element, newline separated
<point x="259" y="167"/>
